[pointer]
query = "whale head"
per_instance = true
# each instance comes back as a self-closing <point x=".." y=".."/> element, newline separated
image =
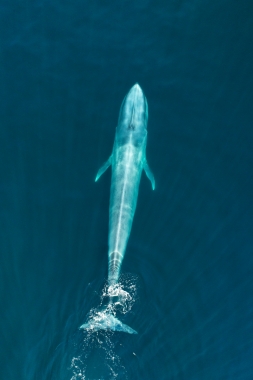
<point x="133" y="116"/>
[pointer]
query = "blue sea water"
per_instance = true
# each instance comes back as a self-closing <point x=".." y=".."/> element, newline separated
<point x="65" y="67"/>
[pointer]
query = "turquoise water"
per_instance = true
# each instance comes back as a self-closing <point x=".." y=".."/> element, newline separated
<point x="65" y="67"/>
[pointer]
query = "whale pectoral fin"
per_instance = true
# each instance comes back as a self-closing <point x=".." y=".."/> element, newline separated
<point x="103" y="168"/>
<point x="149" y="174"/>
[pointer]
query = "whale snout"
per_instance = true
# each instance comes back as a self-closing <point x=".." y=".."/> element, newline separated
<point x="135" y="97"/>
<point x="133" y="116"/>
<point x="136" y="90"/>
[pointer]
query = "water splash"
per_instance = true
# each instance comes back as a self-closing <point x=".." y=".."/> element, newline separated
<point x="76" y="366"/>
<point x="98" y="357"/>
<point x="125" y="291"/>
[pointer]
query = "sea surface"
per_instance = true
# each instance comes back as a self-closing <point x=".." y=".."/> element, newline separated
<point x="65" y="67"/>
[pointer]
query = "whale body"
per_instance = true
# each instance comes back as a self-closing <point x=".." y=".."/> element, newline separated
<point x="127" y="160"/>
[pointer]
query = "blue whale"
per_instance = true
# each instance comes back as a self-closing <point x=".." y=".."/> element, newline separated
<point x="128" y="159"/>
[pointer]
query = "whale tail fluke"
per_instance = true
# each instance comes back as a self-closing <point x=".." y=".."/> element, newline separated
<point x="105" y="321"/>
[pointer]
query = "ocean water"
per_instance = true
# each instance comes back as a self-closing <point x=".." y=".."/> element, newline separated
<point x="65" y="67"/>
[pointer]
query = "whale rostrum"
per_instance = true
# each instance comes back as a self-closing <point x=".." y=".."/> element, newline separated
<point x="128" y="159"/>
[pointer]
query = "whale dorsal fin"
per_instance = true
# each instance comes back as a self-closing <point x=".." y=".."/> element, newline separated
<point x="103" y="168"/>
<point x="149" y="174"/>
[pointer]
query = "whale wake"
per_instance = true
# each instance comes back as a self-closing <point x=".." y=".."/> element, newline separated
<point x="99" y="342"/>
<point x="120" y="299"/>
